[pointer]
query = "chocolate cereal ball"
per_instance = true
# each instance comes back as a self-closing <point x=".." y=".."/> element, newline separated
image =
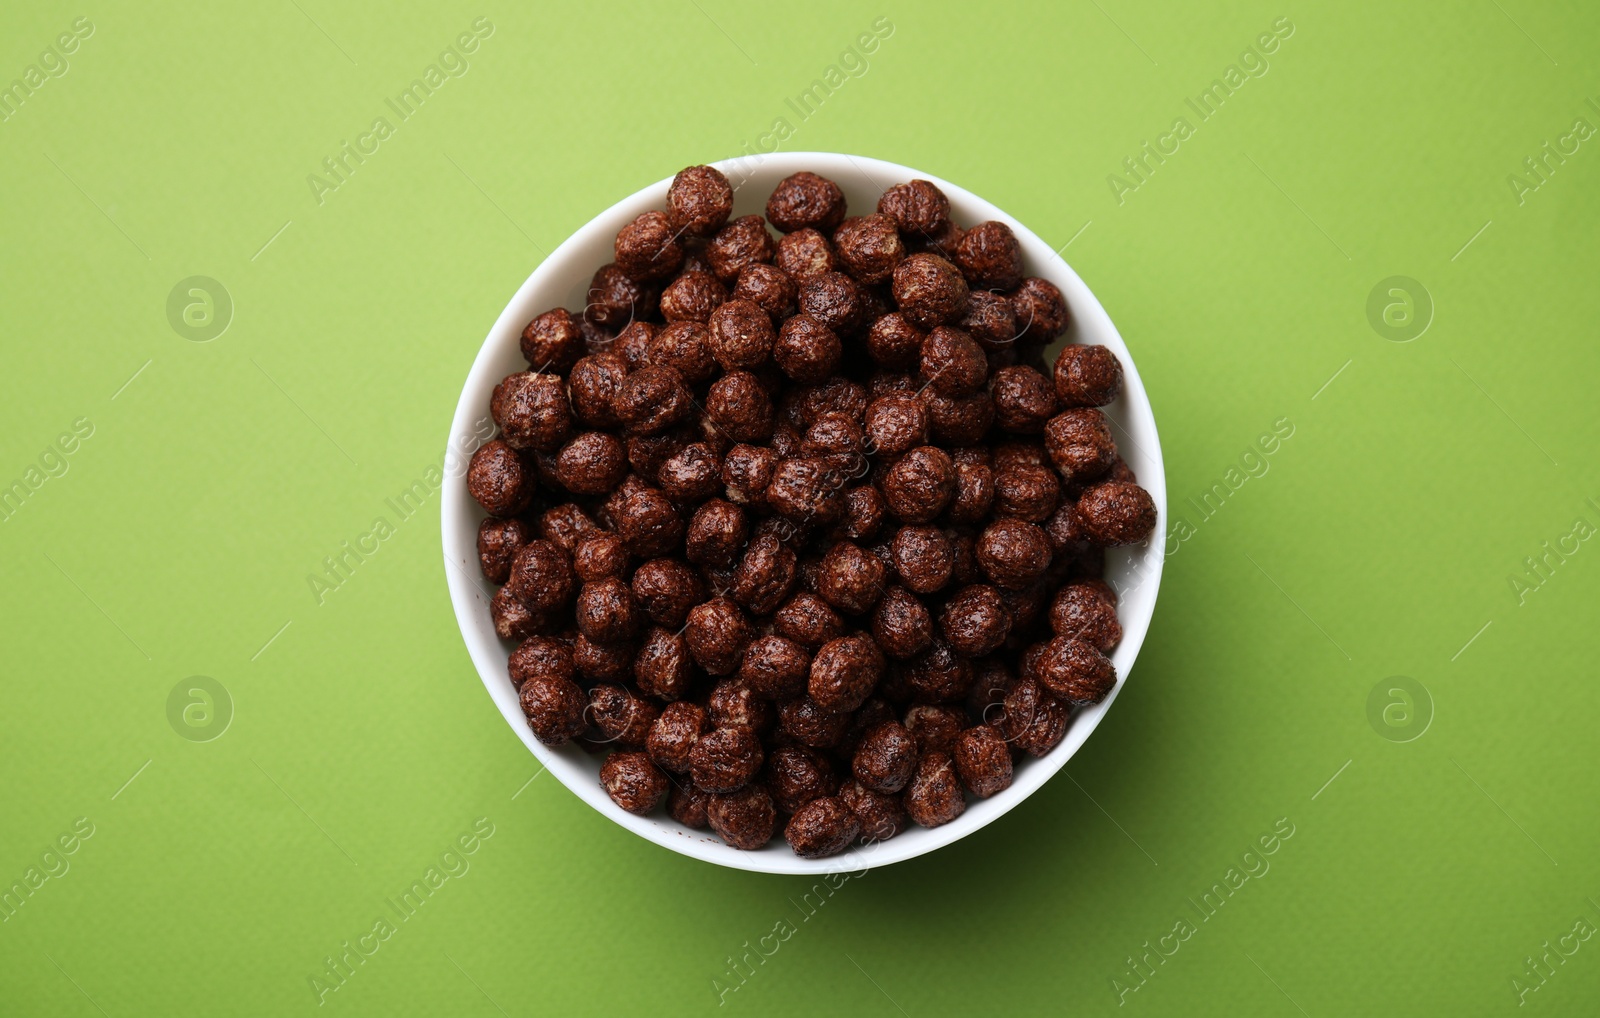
<point x="540" y="655"/>
<point x="952" y="363"/>
<point x="806" y="254"/>
<point x="606" y="610"/>
<point x="1012" y="553"/>
<point x="929" y="291"/>
<point x="920" y="484"/>
<point x="633" y="782"/>
<point x="935" y="727"/>
<point x="1116" y="512"/>
<point x="990" y="257"/>
<point x="962" y="420"/>
<point x="684" y="347"/>
<point x="592" y="388"/>
<point x="806" y="349"/>
<point x="662" y="668"/>
<point x="1080" y="443"/>
<point x="934" y="795"/>
<point x="553" y="341"/>
<point x="975" y="621"/>
<point x="886" y="758"/>
<point x="850" y="579"/>
<point x="806" y="490"/>
<point x="718" y="634"/>
<point x="764" y="576"/>
<point x="692" y="297"/>
<point x="1041" y="312"/>
<point x="918" y="207"/>
<point x="983" y="760"/>
<point x="649" y="523"/>
<point x="1024" y="400"/>
<point x="745" y="241"/>
<point x="614" y="300"/>
<point x="805" y="200"/>
<point x="844" y="673"/>
<point x="687" y="805"/>
<point x="531" y="410"/>
<point x="672" y="738"/>
<point x="648" y="247"/>
<point x="1087" y="376"/>
<point x="990" y="321"/>
<point x="726" y="759"/>
<point x="691" y="474"/>
<point x="796" y="775"/>
<point x="740" y="408"/>
<point x="881" y="816"/>
<point x="896" y="424"/>
<point x="541" y="576"/>
<point x="554" y="708"/>
<point x="716" y="533"/>
<point x="822" y="827"/>
<point x="620" y="715"/>
<point x="974" y="490"/>
<point x="901" y="624"/>
<point x="1083" y="611"/>
<point x="746" y="472"/>
<point x="1072" y="670"/>
<point x="602" y="662"/>
<point x="498" y="543"/>
<point x="652" y="400"/>
<point x="514" y="620"/>
<point x="834" y="299"/>
<point x="744" y="819"/>
<point x="1033" y="720"/>
<point x="699" y="200"/>
<point x="666" y="589"/>
<point x="775" y="667"/>
<point x="768" y="287"/>
<point x="741" y="335"/>
<point x="869" y="247"/>
<point x="865" y="512"/>
<point x="808" y="620"/>
<point x="1027" y="493"/>
<point x="592" y="463"/>
<point x="499" y="480"/>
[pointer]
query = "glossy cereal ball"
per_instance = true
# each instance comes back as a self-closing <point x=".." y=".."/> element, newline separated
<point x="726" y="759"/>
<point x="821" y="828"/>
<point x="592" y="463"/>
<point x="844" y="673"/>
<point x="836" y="300"/>
<point x="881" y="816"/>
<point x="1080" y="443"/>
<point x="1024" y="400"/>
<point x="718" y="634"/>
<point x="929" y="291"/>
<point x="917" y="207"/>
<point x="633" y="782"/>
<point x="531" y="410"/>
<point x="1039" y="309"/>
<point x="1116" y="512"/>
<point x="850" y="579"/>
<point x="662" y="668"/>
<point x="745" y="819"/>
<point x="901" y="624"/>
<point x="692" y="297"/>
<point x="1085" y="611"/>
<point x="1087" y="376"/>
<point x="869" y="247"/>
<point x="805" y="200"/>
<point x="592" y="389"/>
<point x="806" y="254"/>
<point x="796" y="775"/>
<point x="739" y="406"/>
<point x="990" y="257"/>
<point x="1013" y="554"/>
<point x="498" y="543"/>
<point x="745" y="241"/>
<point x="621" y="716"/>
<point x="741" y="335"/>
<point x="554" y="708"/>
<point x="673" y="736"/>
<point x="499" y="480"/>
<point x="983" y="760"/>
<point x="808" y="620"/>
<point x="806" y="349"/>
<point x="934" y="796"/>
<point x="886" y="758"/>
<point x="975" y="621"/>
<point x="768" y="287"/>
<point x="716" y="533"/>
<point x="1072" y="670"/>
<point x="614" y="301"/>
<point x="648" y="248"/>
<point x="990" y="320"/>
<point x="920" y="484"/>
<point x="952" y="363"/>
<point x="699" y="200"/>
<point x="553" y="341"/>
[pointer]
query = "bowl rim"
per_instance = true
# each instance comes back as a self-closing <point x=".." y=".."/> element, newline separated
<point x="489" y="656"/>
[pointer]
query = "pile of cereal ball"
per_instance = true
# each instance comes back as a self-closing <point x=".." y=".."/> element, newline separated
<point x="802" y="530"/>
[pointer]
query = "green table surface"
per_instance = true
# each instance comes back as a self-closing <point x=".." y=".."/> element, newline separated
<point x="1373" y="651"/>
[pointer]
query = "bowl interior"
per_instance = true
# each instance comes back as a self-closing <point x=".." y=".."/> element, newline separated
<point x="562" y="281"/>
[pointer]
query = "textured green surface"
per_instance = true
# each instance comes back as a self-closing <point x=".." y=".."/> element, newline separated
<point x="1379" y="540"/>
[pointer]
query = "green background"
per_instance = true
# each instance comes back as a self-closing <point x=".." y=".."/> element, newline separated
<point x="1380" y="542"/>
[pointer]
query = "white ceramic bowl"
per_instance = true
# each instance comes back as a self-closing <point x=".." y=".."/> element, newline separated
<point x="562" y="281"/>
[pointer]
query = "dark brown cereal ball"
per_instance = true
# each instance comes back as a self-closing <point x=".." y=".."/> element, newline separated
<point x="592" y="463"/>
<point x="726" y="759"/>
<point x="806" y="490"/>
<point x="958" y="421"/>
<point x="1020" y="452"/>
<point x="974" y="491"/>
<point x="920" y="484"/>
<point x="869" y="247"/>
<point x="499" y="480"/>
<point x="553" y="341"/>
<point x="1027" y="493"/>
<point x="775" y="667"/>
<point x="747" y="472"/>
<point x="652" y="400"/>
<point x="886" y="758"/>
<point x="837" y="437"/>
<point x="745" y="241"/>
<point x="808" y="723"/>
<point x="834" y="396"/>
<point x="1087" y="375"/>
<point x="984" y="761"/>
<point x="692" y="474"/>
<point x="687" y="805"/>
<point x="692" y="297"/>
<point x="836" y="300"/>
<point x="822" y="827"/>
<point x="684" y="347"/>
<point x="1034" y="721"/>
<point x="935" y="727"/>
<point x="614" y="301"/>
<point x="990" y="257"/>
<point x="765" y="575"/>
<point x="592" y="388"/>
<point x="1072" y="670"/>
<point x="1023" y="399"/>
<point x="622" y="716"/>
<point x="739" y="406"/>
<point x="605" y="611"/>
<point x="806" y="254"/>
<point x="662" y="668"/>
<point x="808" y="620"/>
<point x="666" y="589"/>
<point x="894" y="342"/>
<point x="1080" y="611"/>
<point x="1040" y="310"/>
<point x="1080" y="443"/>
<point x="1026" y="606"/>
<point x="541" y="576"/>
<point x="650" y="524"/>
<point x="716" y="533"/>
<point x="602" y="662"/>
<point x="1013" y="553"/>
<point x="874" y="712"/>
<point x="844" y="673"/>
<point x="865" y="512"/>
<point x="1116" y="512"/>
<point x="741" y="335"/>
<point x="989" y="321"/>
<point x="806" y="349"/>
<point x="718" y="634"/>
<point x="699" y="200"/>
<point x="938" y="674"/>
<point x="923" y="557"/>
<point x="630" y="344"/>
<point x="599" y="556"/>
<point x="929" y="291"/>
<point x="744" y="819"/>
<point x="942" y="243"/>
<point x="952" y="363"/>
<point x="769" y="288"/>
<point x="553" y="705"/>
<point x="672" y="737"/>
<point x="975" y="620"/>
<point x="901" y="624"/>
<point x="532" y="411"/>
<point x="896" y="424"/>
<point x="648" y="247"/>
<point x="850" y="579"/>
<point x="796" y="775"/>
<point x="918" y="207"/>
<point x="498" y="543"/>
<point x="785" y="440"/>
<point x="514" y="620"/>
<point x="934" y="794"/>
<point x="881" y="816"/>
<point x="804" y="200"/>
<point x="732" y="704"/>
<point x="539" y="655"/>
<point x="633" y="782"/>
